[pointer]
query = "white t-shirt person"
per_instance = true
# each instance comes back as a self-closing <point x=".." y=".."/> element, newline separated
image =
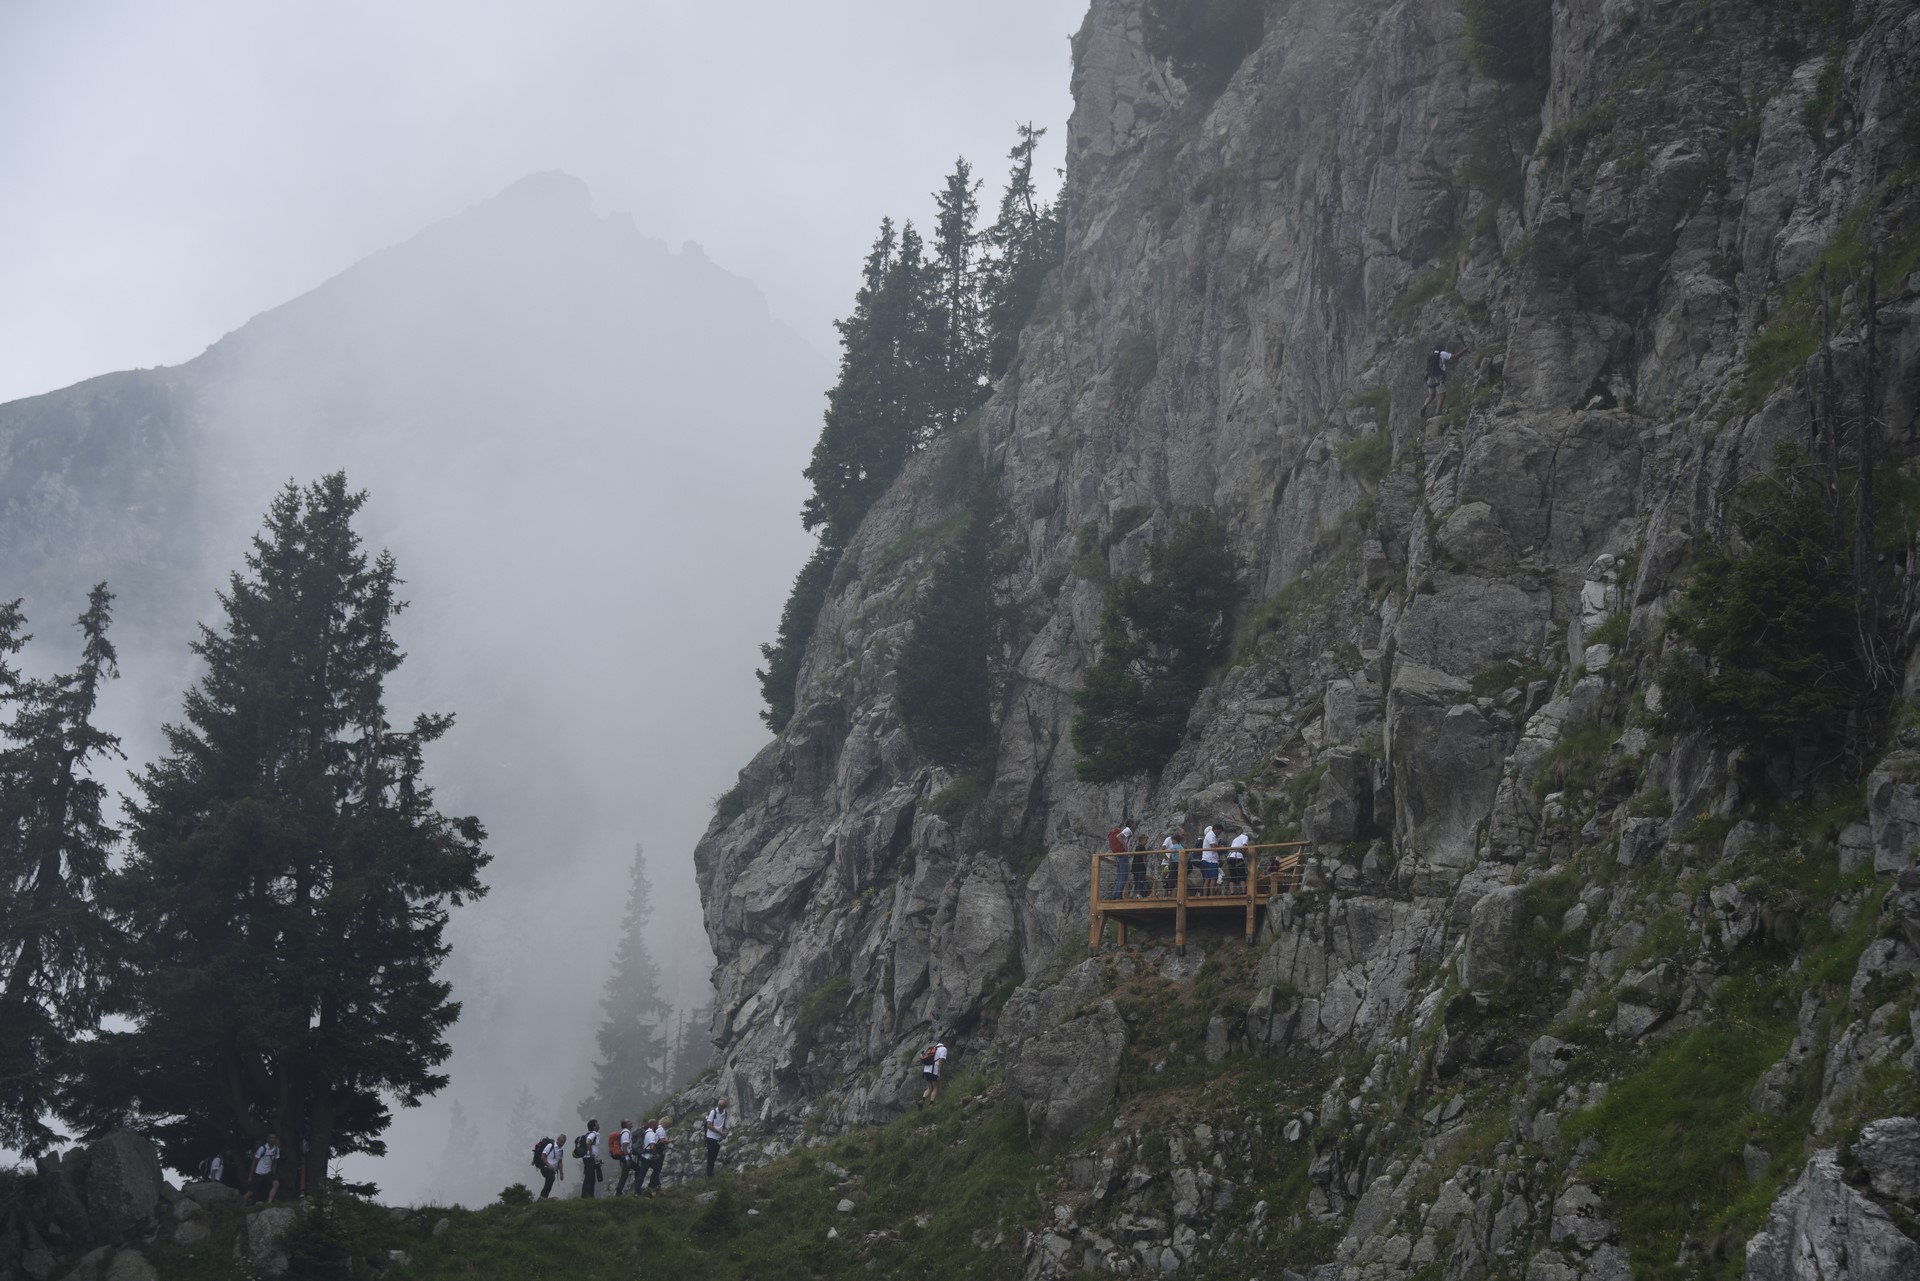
<point x="264" y="1158"/>
<point x="716" y="1124"/>
<point x="216" y="1168"/>
<point x="1210" y="846"/>
<point x="1238" y="850"/>
<point x="940" y="1059"/>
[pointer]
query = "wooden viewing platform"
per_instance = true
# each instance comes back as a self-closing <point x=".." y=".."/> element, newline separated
<point x="1123" y="889"/>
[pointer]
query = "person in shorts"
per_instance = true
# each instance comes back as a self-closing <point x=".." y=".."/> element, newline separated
<point x="266" y="1184"/>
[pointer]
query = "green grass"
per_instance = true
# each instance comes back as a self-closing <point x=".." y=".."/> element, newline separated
<point x="1612" y="632"/>
<point x="927" y="1181"/>
<point x="823" y="1005"/>
<point x="1671" y="1137"/>
<point x="1367" y="457"/>
<point x="1575" y="762"/>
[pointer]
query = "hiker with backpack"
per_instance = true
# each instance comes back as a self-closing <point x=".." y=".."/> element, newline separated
<point x="1117" y="838"/>
<point x="266" y="1183"/>
<point x="716" y="1131"/>
<point x="1436" y="401"/>
<point x="933" y="1061"/>
<point x="587" y="1149"/>
<point x="547" y="1159"/>
<point x="656" y="1155"/>
<point x="620" y="1148"/>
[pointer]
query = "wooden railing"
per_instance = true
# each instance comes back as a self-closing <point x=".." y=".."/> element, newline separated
<point x="1122" y="885"/>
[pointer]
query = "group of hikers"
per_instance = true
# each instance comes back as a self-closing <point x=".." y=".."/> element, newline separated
<point x="1221" y="865"/>
<point x="640" y="1158"/>
<point x="259" y="1172"/>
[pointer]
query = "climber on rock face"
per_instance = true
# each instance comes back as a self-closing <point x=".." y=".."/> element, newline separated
<point x="1436" y="401"/>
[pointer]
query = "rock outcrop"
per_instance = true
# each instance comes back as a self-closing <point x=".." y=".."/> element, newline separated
<point x="1452" y="676"/>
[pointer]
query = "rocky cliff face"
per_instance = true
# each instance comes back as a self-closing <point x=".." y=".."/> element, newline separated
<point x="1457" y="615"/>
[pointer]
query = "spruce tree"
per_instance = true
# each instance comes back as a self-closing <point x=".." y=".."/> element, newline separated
<point x="944" y="689"/>
<point x="636" y="1047"/>
<point x="1161" y="637"/>
<point x="56" y="944"/>
<point x="1026" y="239"/>
<point x="289" y="888"/>
<point x="850" y="461"/>
<point x="692" y="1045"/>
<point x="956" y="306"/>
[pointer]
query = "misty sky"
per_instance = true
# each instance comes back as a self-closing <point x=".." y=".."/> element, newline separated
<point x="173" y="169"/>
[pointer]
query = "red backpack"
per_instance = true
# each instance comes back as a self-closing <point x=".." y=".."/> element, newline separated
<point x="1115" y="845"/>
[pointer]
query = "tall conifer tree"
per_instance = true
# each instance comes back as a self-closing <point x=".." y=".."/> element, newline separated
<point x="635" y="1038"/>
<point x="956" y="311"/>
<point x="1026" y="239"/>
<point x="289" y="888"/>
<point x="56" y="945"/>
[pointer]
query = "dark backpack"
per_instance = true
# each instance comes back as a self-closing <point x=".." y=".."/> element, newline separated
<point x="580" y="1148"/>
<point x="926" y="1056"/>
<point x="1434" y="368"/>
<point x="539" y="1155"/>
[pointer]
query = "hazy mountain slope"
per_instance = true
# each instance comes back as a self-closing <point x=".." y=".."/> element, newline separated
<point x="585" y="451"/>
<point x="1460" y="630"/>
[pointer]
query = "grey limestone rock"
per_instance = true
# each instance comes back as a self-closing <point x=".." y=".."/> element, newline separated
<point x="209" y="1193"/>
<point x="130" y="1265"/>
<point x="1821" y="1230"/>
<point x="63" y="1181"/>
<point x="91" y="1266"/>
<point x="1893" y="811"/>
<point x="265" y="1239"/>
<point x="1493" y="940"/>
<point x="123" y="1185"/>
<point x="1889" y="1151"/>
<point x="1065" y="1078"/>
<point x="191" y="1232"/>
<point x="1641" y="839"/>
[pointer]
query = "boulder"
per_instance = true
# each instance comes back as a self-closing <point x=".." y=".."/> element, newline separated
<point x="1889" y="1151"/>
<point x="63" y="1181"/>
<point x="1821" y="1228"/>
<point x="1641" y="839"/>
<point x="91" y="1267"/>
<point x="1219" y="1043"/>
<point x="130" y="1265"/>
<point x="1492" y="954"/>
<point x="123" y="1186"/>
<point x="1065" y="1078"/>
<point x="1893" y="811"/>
<point x="191" y="1232"/>
<point x="209" y="1193"/>
<point x="39" y="1264"/>
<point x="266" y="1239"/>
<point x="1343" y="807"/>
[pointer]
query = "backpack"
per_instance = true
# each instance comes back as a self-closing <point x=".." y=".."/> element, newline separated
<point x="580" y="1148"/>
<point x="539" y="1155"/>
<point x="615" y="1148"/>
<point x="927" y="1055"/>
<point x="1114" y="844"/>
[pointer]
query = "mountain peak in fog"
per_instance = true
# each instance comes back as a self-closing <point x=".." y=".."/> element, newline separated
<point x="585" y="451"/>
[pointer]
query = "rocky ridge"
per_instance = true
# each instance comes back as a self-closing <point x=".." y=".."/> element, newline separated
<point x="1535" y="901"/>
